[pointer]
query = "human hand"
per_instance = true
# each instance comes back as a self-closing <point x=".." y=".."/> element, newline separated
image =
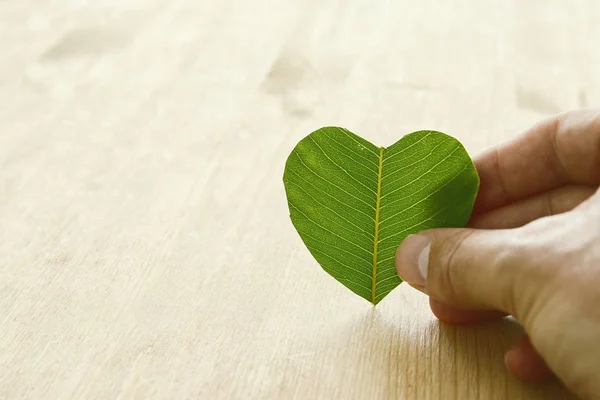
<point x="532" y="250"/>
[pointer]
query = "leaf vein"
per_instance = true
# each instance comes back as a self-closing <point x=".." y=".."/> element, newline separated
<point x="333" y="184"/>
<point x="353" y="150"/>
<point x="423" y="174"/>
<point x="408" y="147"/>
<point x="360" y="230"/>
<point x="345" y="266"/>
<point x="342" y="168"/>
<point x="423" y="199"/>
<point x="333" y="233"/>
<point x="328" y="194"/>
<point x="350" y="135"/>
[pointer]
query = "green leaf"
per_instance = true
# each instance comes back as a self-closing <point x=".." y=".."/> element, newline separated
<point x="353" y="202"/>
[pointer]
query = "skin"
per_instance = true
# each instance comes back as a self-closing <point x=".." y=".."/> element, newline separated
<point x="531" y="250"/>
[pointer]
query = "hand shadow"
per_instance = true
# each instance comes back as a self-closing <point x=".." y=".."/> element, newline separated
<point x="460" y="362"/>
<point x="407" y="354"/>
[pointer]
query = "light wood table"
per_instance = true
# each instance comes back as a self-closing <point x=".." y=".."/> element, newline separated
<point x="145" y="246"/>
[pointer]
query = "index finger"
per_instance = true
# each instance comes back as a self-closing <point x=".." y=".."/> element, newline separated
<point x="559" y="150"/>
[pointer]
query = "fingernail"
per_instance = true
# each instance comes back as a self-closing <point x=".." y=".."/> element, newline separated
<point x="412" y="259"/>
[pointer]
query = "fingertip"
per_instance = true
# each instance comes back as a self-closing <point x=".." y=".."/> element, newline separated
<point x="412" y="259"/>
<point x="523" y="362"/>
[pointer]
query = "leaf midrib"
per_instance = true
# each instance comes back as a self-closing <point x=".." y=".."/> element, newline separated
<point x="377" y="208"/>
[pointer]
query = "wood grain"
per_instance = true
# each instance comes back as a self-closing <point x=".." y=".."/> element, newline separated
<point x="145" y="245"/>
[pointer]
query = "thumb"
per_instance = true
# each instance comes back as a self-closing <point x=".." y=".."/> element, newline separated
<point x="467" y="268"/>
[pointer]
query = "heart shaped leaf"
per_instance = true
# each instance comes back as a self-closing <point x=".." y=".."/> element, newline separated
<point x="353" y="202"/>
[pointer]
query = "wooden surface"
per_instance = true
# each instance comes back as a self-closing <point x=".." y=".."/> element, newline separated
<point x="145" y="245"/>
